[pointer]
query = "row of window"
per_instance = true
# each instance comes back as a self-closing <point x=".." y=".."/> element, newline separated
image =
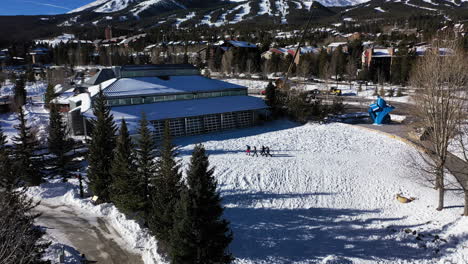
<point x="174" y="97"/>
<point x="204" y="124"/>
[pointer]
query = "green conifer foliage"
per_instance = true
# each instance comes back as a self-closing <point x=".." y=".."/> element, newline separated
<point x="200" y="235"/>
<point x="101" y="148"/>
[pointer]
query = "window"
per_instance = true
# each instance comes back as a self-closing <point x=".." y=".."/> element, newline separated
<point x="113" y="102"/>
<point x="194" y="125"/>
<point x="137" y="100"/>
<point x="212" y="123"/>
<point x="125" y="101"/>
<point x="158" y="98"/>
<point x="169" y="97"/>
<point x="244" y="119"/>
<point x="148" y="100"/>
<point x="228" y="120"/>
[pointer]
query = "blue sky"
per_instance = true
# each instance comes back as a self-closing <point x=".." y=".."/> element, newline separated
<point x="39" y="7"/>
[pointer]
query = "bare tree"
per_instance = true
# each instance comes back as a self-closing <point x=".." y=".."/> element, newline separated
<point x="439" y="79"/>
<point x="351" y="70"/>
<point x="227" y="62"/>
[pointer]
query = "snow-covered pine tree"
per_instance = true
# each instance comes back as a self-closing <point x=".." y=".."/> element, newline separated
<point x="58" y="143"/>
<point x="200" y="235"/>
<point x="146" y="166"/>
<point x="101" y="149"/>
<point x="25" y="143"/>
<point x="8" y="178"/>
<point x="20" y="240"/>
<point x="166" y="189"/>
<point x="125" y="182"/>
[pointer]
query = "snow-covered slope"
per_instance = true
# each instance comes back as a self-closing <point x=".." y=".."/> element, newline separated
<point x="223" y="12"/>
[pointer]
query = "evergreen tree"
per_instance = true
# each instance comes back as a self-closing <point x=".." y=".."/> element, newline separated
<point x="58" y="143"/>
<point x="27" y="167"/>
<point x="101" y="148"/>
<point x="200" y="235"/>
<point x="125" y="182"/>
<point x="20" y="240"/>
<point x="167" y="186"/>
<point x="145" y="164"/>
<point x="20" y="91"/>
<point x="7" y="176"/>
<point x="270" y="95"/>
<point x="49" y="94"/>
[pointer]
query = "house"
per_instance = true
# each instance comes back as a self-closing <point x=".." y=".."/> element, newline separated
<point x="334" y="45"/>
<point x="191" y="103"/>
<point x="290" y="50"/>
<point x="39" y="55"/>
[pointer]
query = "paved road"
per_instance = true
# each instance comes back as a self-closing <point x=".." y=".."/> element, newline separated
<point x="91" y="236"/>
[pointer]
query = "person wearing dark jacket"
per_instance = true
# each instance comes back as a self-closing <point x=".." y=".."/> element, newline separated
<point x="254" y="153"/>
<point x="267" y="153"/>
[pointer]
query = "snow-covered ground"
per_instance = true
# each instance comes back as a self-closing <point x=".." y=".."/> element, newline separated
<point x="347" y="90"/>
<point x="36" y="114"/>
<point x="328" y="194"/>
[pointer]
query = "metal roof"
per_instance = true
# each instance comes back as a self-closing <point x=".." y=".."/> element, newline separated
<point x="185" y="108"/>
<point x="140" y="86"/>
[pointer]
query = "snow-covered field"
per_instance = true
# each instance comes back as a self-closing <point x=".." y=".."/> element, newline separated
<point x="327" y="194"/>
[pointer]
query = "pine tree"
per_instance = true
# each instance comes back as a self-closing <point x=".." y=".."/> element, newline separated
<point x="49" y="95"/>
<point x="20" y="91"/>
<point x="167" y="186"/>
<point x="8" y="178"/>
<point x="101" y="148"/>
<point x="200" y="235"/>
<point x="125" y="183"/>
<point x="270" y="95"/>
<point x="58" y="143"/>
<point x="146" y="164"/>
<point x="27" y="167"/>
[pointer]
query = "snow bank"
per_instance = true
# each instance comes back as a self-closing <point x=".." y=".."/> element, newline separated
<point x="135" y="239"/>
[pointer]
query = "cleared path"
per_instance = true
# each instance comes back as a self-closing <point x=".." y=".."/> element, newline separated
<point x="91" y="236"/>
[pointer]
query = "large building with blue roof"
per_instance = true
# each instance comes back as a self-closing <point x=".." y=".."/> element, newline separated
<point x="193" y="104"/>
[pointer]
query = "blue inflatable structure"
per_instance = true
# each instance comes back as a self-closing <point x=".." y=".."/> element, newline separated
<point x="380" y="111"/>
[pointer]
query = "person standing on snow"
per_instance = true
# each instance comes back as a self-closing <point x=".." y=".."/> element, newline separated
<point x="267" y="153"/>
<point x="262" y="152"/>
<point x="248" y="150"/>
<point x="255" y="151"/>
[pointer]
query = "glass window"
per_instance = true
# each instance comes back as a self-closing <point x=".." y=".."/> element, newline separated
<point x="148" y="100"/>
<point x="125" y="101"/>
<point x="137" y="100"/>
<point x="113" y="102"/>
<point x="169" y="97"/>
<point x="158" y="98"/>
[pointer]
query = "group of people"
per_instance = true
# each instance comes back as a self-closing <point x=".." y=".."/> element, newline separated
<point x="265" y="151"/>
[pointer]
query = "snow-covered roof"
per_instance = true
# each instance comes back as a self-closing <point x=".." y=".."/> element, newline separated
<point x="242" y="44"/>
<point x="337" y="44"/>
<point x="174" y="84"/>
<point x="381" y="53"/>
<point x="185" y="108"/>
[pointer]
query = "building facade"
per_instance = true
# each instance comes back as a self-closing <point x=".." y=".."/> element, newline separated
<point x="191" y="103"/>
